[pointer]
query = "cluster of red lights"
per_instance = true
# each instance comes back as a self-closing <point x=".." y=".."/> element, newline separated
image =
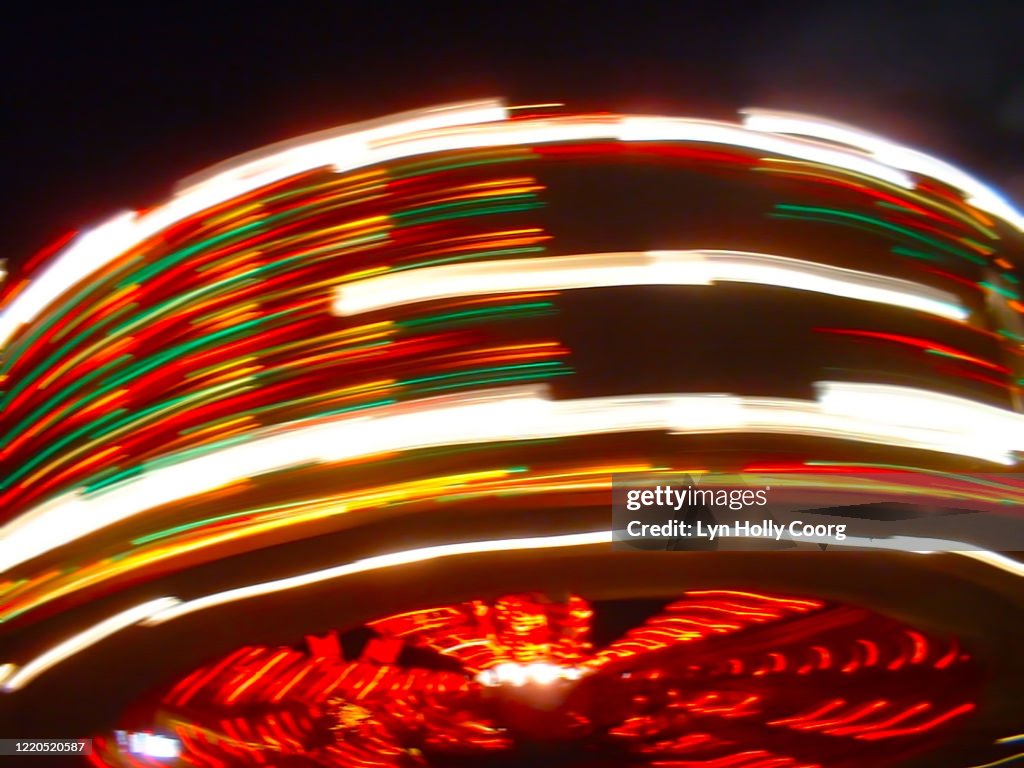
<point x="717" y="679"/>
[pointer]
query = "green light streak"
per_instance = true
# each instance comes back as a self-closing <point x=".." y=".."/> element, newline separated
<point x="181" y="254"/>
<point x="481" y="255"/>
<point x="831" y="215"/>
<point x="34" y="374"/>
<point x="475" y="212"/>
<point x="1001" y="291"/>
<point x="899" y="250"/>
<point x="42" y="455"/>
<point x="16" y="350"/>
<point x="475" y="371"/>
<point x="200" y="523"/>
<point x="47" y="406"/>
<point x="113" y="479"/>
<point x="493" y="380"/>
<point x="533" y="308"/>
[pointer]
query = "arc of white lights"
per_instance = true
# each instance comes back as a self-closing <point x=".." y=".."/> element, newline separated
<point x="456" y="127"/>
<point x="890" y="153"/>
<point x="391" y="560"/>
<point x="888" y="415"/>
<point x="84" y="639"/>
<point x="696" y="267"/>
<point x="99" y="246"/>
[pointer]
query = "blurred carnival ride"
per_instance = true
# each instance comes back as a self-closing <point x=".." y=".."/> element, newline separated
<point x="409" y="355"/>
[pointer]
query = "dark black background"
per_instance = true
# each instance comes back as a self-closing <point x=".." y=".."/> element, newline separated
<point x="110" y="104"/>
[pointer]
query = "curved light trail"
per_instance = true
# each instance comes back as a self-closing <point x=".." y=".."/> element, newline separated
<point x="867" y="413"/>
<point x="477" y="125"/>
<point x="597" y="270"/>
<point x="385" y="311"/>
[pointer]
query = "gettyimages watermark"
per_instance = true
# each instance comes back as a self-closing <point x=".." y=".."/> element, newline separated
<point x="836" y="510"/>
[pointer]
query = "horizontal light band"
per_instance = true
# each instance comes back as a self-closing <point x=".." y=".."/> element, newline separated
<point x="596" y="270"/>
<point x="460" y="127"/>
<point x="155" y="612"/>
<point x="896" y="416"/>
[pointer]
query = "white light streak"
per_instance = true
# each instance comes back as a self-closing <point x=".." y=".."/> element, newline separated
<point x="729" y="134"/>
<point x="166" y="609"/>
<point x="887" y="415"/>
<point x="420" y="555"/>
<point x="149" y="744"/>
<point x="515" y="674"/>
<point x="891" y="154"/>
<point x="91" y="251"/>
<point x="699" y="267"/>
<point x="79" y="642"/>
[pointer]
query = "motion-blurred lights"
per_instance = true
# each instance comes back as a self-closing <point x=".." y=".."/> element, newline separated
<point x="598" y="270"/>
<point x="148" y="744"/>
<point x="977" y="193"/>
<point x="466" y="126"/>
<point x="166" y="609"/>
<point x="379" y="562"/>
<point x="82" y="640"/>
<point x="706" y="131"/>
<point x="969" y="428"/>
<point x="881" y="414"/>
<point x="537" y="673"/>
<point x="346" y="147"/>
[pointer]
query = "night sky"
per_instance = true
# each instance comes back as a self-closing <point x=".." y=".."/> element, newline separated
<point x="110" y="108"/>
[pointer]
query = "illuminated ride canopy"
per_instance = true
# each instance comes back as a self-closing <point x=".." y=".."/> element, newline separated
<point x="716" y="678"/>
<point x="436" y="337"/>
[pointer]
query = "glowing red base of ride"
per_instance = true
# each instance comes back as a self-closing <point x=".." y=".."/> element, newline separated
<point x="717" y="679"/>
